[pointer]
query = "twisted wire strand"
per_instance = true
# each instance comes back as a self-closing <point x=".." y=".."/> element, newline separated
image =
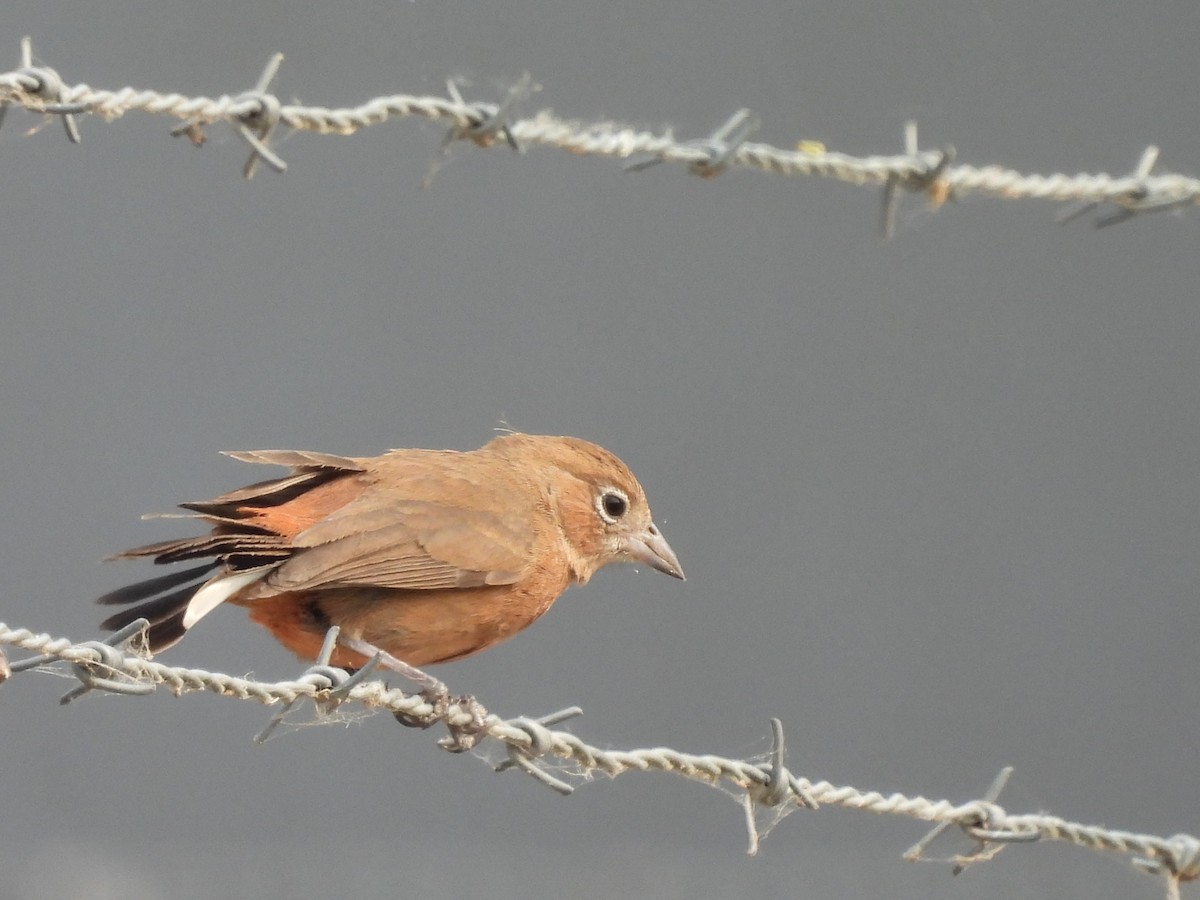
<point x="100" y="665"/>
<point x="933" y="172"/>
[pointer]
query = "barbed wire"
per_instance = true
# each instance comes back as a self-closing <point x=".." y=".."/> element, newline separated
<point x="530" y="743"/>
<point x="112" y="665"/>
<point x="255" y="114"/>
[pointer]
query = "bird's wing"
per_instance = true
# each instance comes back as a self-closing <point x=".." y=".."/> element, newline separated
<point x="395" y="535"/>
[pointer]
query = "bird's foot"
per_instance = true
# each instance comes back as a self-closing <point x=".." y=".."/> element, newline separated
<point x="463" y="734"/>
<point x="438" y="698"/>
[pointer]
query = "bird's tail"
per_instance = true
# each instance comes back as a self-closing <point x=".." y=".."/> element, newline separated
<point x="166" y="600"/>
<point x="239" y="548"/>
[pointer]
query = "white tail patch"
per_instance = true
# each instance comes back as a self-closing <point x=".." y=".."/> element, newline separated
<point x="218" y="591"/>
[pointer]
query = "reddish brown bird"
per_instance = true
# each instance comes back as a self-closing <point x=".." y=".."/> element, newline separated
<point x="425" y="556"/>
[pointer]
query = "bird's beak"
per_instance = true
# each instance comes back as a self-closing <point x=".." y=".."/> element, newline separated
<point x="651" y="548"/>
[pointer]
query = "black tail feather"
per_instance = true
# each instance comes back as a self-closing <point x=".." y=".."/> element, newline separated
<point x="215" y="544"/>
<point x="166" y="633"/>
<point x="154" y="611"/>
<point x="149" y="588"/>
<point x="164" y="613"/>
<point x="239" y="504"/>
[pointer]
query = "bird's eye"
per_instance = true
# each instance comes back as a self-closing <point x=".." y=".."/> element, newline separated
<point x="612" y="504"/>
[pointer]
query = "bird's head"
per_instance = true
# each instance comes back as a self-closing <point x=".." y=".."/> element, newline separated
<point x="600" y="505"/>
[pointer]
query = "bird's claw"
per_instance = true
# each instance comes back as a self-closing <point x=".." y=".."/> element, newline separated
<point x="465" y="735"/>
<point x="437" y="695"/>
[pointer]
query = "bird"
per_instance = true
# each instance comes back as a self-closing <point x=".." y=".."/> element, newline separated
<point x="418" y="557"/>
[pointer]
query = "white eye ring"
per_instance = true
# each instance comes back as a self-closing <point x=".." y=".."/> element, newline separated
<point x="612" y="504"/>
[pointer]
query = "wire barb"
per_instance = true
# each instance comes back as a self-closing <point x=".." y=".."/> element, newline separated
<point x="541" y="742"/>
<point x="109" y="659"/>
<point x="484" y="122"/>
<point x="255" y="126"/>
<point x="925" y="176"/>
<point x="779" y="787"/>
<point x="489" y="120"/>
<point x="335" y="683"/>
<point x="978" y="820"/>
<point x="1142" y="196"/>
<point x="41" y="89"/>
<point x="1180" y="862"/>
<point x="708" y="157"/>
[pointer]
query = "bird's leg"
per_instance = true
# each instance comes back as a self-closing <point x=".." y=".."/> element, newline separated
<point x="429" y="685"/>
<point x="432" y="690"/>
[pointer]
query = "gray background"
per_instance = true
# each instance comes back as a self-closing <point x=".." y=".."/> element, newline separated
<point x="936" y="499"/>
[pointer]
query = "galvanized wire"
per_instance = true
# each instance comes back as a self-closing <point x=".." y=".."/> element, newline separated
<point x="256" y="113"/>
<point x="531" y="744"/>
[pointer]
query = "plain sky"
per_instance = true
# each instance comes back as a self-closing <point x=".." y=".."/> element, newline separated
<point x="937" y="498"/>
